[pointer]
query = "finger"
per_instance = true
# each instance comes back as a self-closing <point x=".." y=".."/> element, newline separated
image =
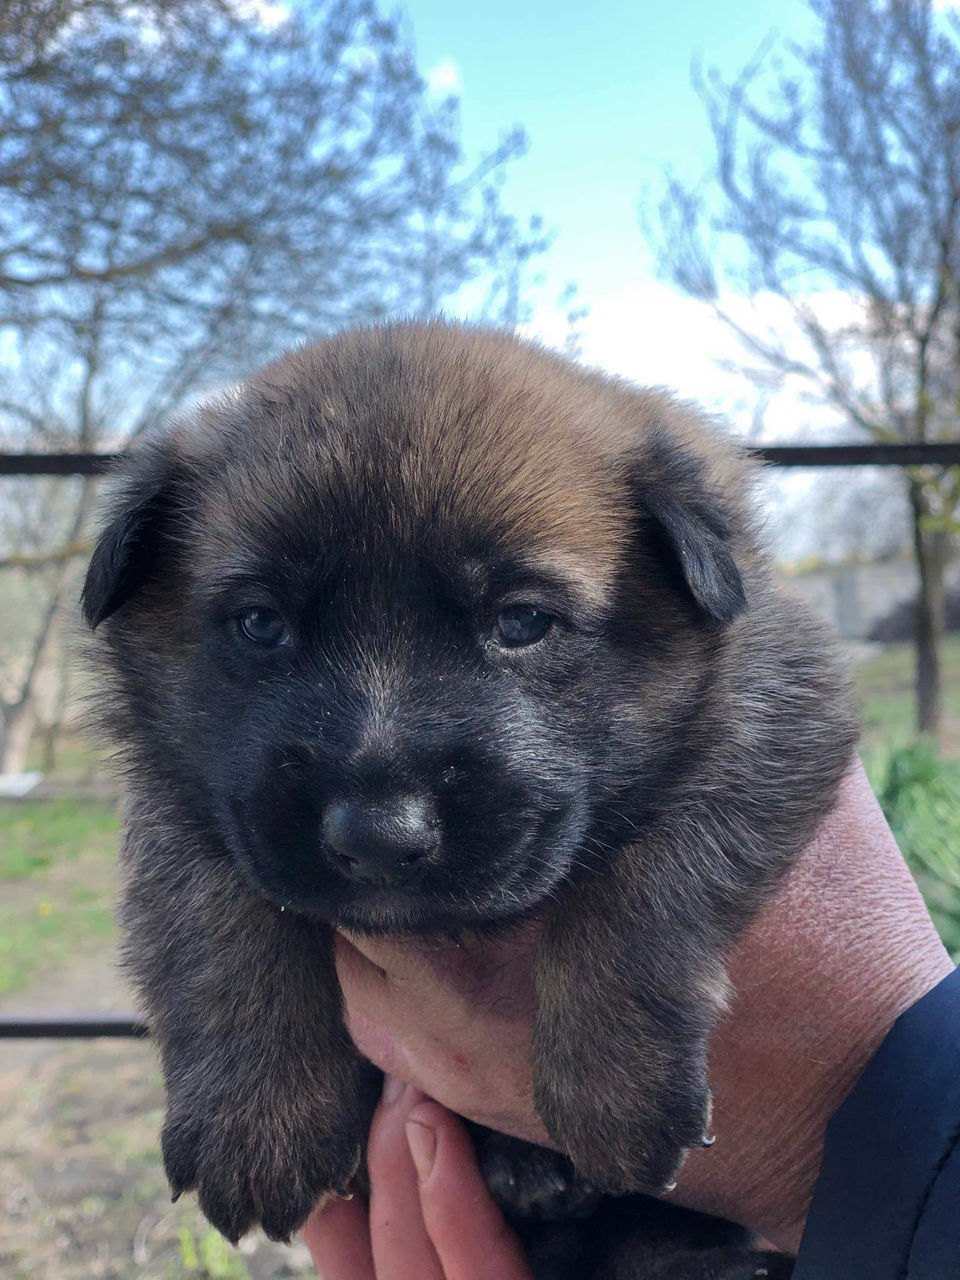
<point x="371" y="1010"/>
<point x="338" y="1237"/>
<point x="467" y="1230"/>
<point x="400" y="1243"/>
<point x="384" y="959"/>
<point x="383" y="1010"/>
<point x="466" y="964"/>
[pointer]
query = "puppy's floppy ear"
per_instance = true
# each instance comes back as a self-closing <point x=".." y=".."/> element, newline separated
<point x="127" y="549"/>
<point x="693" y="529"/>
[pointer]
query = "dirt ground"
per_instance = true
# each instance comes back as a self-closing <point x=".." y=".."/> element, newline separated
<point x="82" y="1193"/>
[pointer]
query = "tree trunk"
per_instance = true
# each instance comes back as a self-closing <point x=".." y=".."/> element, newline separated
<point x="930" y="548"/>
<point x="52" y="730"/>
<point x="16" y="737"/>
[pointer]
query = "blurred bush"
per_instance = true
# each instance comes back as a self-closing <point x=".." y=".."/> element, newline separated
<point x="901" y="622"/>
<point x="920" y="795"/>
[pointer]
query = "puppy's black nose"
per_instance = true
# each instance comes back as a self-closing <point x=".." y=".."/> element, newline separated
<point x="381" y="842"/>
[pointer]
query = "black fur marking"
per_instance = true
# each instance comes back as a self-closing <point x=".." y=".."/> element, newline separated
<point x="696" y="531"/>
<point x="702" y="557"/>
<point x="125" y="555"/>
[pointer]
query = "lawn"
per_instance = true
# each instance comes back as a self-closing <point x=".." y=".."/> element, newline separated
<point x="82" y="1184"/>
<point x="884" y="684"/>
<point x="57" y="877"/>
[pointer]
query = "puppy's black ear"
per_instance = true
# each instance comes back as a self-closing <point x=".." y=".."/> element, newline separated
<point x="695" y="533"/>
<point x="127" y="549"/>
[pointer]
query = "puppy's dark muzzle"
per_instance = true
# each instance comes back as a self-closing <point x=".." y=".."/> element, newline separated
<point x="381" y="842"/>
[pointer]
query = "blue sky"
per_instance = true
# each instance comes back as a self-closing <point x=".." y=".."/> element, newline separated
<point x="604" y="93"/>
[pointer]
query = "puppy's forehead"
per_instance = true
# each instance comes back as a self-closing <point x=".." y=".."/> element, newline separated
<point x="476" y="450"/>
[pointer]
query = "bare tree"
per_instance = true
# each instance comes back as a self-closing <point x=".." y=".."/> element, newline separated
<point x="837" y="193"/>
<point x="185" y="190"/>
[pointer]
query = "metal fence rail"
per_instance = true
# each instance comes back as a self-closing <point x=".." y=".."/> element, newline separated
<point x="78" y="1027"/>
<point x="91" y="464"/>
<point x="780" y="455"/>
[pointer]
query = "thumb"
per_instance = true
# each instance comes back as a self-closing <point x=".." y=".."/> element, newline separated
<point x="467" y="1230"/>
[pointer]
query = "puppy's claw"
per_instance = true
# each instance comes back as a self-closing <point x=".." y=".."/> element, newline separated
<point x="335" y="1193"/>
<point x="708" y="1140"/>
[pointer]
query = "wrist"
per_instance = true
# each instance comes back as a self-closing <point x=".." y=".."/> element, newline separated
<point x="844" y="948"/>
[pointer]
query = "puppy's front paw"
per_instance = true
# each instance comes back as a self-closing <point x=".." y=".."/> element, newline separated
<point x="531" y="1182"/>
<point x="251" y="1163"/>
<point x="628" y="1131"/>
<point x="724" y="1264"/>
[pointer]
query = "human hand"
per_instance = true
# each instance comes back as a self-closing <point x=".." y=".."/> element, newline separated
<point x="818" y="980"/>
<point x="430" y="1216"/>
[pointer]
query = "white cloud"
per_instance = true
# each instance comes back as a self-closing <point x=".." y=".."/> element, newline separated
<point x="655" y="336"/>
<point x="270" y="13"/>
<point x="444" y="78"/>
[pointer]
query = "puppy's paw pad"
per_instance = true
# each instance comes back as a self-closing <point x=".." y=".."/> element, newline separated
<point x="628" y="1153"/>
<point x="243" y="1176"/>
<point x="529" y="1181"/>
<point x="730" y="1264"/>
<point x="766" y="1266"/>
<point x="180" y="1143"/>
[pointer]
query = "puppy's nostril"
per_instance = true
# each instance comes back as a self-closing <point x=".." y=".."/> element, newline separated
<point x="381" y="841"/>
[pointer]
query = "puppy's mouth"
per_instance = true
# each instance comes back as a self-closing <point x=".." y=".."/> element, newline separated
<point x="539" y="863"/>
<point x="436" y="897"/>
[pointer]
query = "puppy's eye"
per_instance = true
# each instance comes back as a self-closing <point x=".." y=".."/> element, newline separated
<point x="521" y="624"/>
<point x="263" y="626"/>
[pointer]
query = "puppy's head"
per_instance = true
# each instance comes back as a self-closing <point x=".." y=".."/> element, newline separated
<point x="416" y="622"/>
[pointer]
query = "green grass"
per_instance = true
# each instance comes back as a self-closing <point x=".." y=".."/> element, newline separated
<point x="35" y="835"/>
<point x="887" y="701"/>
<point x="82" y="1174"/>
<point x="209" y="1255"/>
<point x="75" y="758"/>
<point x="920" y="795"/>
<point x="56" y="884"/>
<point x="47" y="936"/>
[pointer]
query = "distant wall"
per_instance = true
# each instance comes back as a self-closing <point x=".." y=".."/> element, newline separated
<point x="853" y="597"/>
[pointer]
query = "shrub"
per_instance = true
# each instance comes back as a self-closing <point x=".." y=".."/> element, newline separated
<point x="920" y="795"/>
<point x="901" y="622"/>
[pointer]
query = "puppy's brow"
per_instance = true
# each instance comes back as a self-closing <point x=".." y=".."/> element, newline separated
<point x="240" y="587"/>
<point x="237" y="582"/>
<point x="582" y="593"/>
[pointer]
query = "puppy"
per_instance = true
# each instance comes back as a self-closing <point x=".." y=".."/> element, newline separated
<point x="424" y="630"/>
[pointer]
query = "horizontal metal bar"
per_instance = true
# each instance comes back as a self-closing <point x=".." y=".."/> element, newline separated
<point x="72" y="1027"/>
<point x="859" y="455"/>
<point x="778" y="455"/>
<point x="56" y="464"/>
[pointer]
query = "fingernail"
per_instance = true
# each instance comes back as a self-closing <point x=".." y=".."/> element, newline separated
<point x="392" y="1090"/>
<point x="422" y="1141"/>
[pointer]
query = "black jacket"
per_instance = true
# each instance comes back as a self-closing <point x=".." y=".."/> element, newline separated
<point x="887" y="1202"/>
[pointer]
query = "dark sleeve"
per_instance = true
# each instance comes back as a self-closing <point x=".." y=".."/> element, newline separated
<point x="887" y="1203"/>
